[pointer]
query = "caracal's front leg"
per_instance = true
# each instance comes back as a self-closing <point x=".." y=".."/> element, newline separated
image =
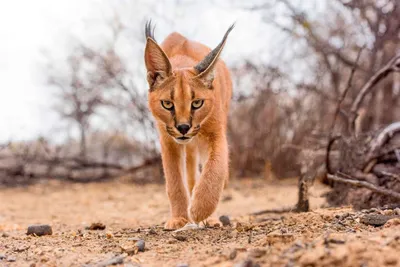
<point x="207" y="191"/>
<point x="173" y="164"/>
<point x="192" y="165"/>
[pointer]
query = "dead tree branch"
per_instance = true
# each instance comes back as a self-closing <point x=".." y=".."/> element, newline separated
<point x="357" y="183"/>
<point x="392" y="66"/>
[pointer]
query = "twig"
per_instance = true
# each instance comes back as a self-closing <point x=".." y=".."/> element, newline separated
<point x="277" y="211"/>
<point x="367" y="185"/>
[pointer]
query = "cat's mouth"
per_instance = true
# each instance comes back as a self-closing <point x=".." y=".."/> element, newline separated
<point x="183" y="140"/>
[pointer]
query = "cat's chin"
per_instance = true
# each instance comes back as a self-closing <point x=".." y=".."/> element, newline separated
<point x="182" y="141"/>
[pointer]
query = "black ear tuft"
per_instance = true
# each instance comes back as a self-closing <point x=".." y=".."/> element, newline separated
<point x="149" y="30"/>
<point x="213" y="55"/>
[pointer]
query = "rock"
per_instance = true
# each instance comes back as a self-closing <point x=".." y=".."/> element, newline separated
<point x="109" y="235"/>
<point x="225" y="220"/>
<point x="140" y="245"/>
<point x="257" y="253"/>
<point x="5" y="234"/>
<point x="392" y="222"/>
<point x="397" y="211"/>
<point x="21" y="248"/>
<point x="113" y="261"/>
<point x="247" y="263"/>
<point x="39" y="230"/>
<point x="2" y="256"/>
<point x="11" y="259"/>
<point x="388" y="212"/>
<point x="182" y="265"/>
<point x="375" y="219"/>
<point x="233" y="254"/>
<point x="152" y="232"/>
<point x="180" y="237"/>
<point x="133" y="248"/>
<point x="96" y="226"/>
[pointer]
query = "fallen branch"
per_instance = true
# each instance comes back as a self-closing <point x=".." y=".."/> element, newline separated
<point x="367" y="185"/>
<point x="384" y="136"/>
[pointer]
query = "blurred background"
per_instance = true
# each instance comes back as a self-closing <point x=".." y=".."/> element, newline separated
<point x="73" y="97"/>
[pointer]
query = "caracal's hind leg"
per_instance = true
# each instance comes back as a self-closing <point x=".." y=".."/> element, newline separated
<point x="192" y="168"/>
<point x="208" y="189"/>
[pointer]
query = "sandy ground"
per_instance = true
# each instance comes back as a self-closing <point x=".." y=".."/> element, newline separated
<point x="322" y="237"/>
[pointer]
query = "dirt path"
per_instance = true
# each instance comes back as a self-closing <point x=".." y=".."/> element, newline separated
<point x="323" y="237"/>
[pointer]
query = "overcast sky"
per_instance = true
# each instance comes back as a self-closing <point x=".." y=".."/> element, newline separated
<point x="27" y="28"/>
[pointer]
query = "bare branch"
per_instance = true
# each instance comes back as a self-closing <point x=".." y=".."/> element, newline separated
<point x="376" y="189"/>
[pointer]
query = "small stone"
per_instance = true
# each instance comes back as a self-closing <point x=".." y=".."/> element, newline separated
<point x="109" y="235"/>
<point x="113" y="261"/>
<point x="225" y="220"/>
<point x="392" y="222"/>
<point x="182" y="265"/>
<point x="140" y="245"/>
<point x="233" y="254"/>
<point x="11" y="259"/>
<point x="397" y="211"/>
<point x="39" y="230"/>
<point x="5" y="234"/>
<point x="257" y="253"/>
<point x="96" y="226"/>
<point x="247" y="263"/>
<point x="374" y="219"/>
<point x="2" y="256"/>
<point x="388" y="212"/>
<point x="180" y="237"/>
<point x="22" y="248"/>
<point x="172" y="241"/>
<point x="152" y="232"/>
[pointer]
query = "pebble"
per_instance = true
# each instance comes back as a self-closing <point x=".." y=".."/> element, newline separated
<point x="247" y="263"/>
<point x="113" y="261"/>
<point x="2" y="256"/>
<point x="140" y="245"/>
<point x="397" y="211"/>
<point x="180" y="237"/>
<point x="233" y="254"/>
<point x="257" y="253"/>
<point x="96" y="226"/>
<point x="182" y="265"/>
<point x="374" y="219"/>
<point x="39" y="230"/>
<point x="11" y="259"/>
<point x="225" y="220"/>
<point x="388" y="212"/>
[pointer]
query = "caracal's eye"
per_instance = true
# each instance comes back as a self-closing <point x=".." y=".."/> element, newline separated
<point x="167" y="104"/>
<point x="197" y="104"/>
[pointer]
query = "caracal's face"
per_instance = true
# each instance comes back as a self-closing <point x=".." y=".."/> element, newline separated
<point x="182" y="103"/>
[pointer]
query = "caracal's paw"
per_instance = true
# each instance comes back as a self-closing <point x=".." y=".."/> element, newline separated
<point x="175" y="223"/>
<point x="201" y="209"/>
<point x="213" y="221"/>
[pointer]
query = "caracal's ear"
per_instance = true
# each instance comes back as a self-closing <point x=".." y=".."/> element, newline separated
<point x="157" y="63"/>
<point x="205" y="68"/>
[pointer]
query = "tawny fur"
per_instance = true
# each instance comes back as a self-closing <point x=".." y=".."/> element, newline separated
<point x="172" y="77"/>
